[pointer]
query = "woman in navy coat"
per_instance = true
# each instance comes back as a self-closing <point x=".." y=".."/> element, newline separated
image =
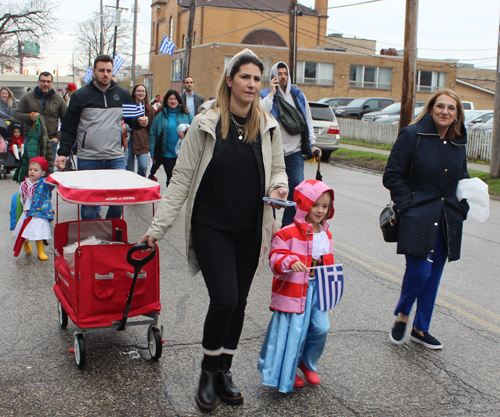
<point x="430" y="215"/>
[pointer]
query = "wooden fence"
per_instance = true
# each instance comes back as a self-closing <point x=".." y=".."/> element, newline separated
<point x="478" y="142"/>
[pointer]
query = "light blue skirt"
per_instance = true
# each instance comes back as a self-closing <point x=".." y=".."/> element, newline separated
<point x="293" y="338"/>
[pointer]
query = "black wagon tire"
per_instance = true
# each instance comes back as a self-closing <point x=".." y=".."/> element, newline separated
<point x="63" y="316"/>
<point x="79" y="350"/>
<point x="155" y="343"/>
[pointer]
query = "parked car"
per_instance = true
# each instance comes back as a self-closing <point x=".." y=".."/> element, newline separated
<point x="484" y="116"/>
<point x="357" y="108"/>
<point x="326" y="129"/>
<point x="395" y="118"/>
<point x="336" y="101"/>
<point x="391" y="110"/>
<point x="468" y="105"/>
<point x="486" y="126"/>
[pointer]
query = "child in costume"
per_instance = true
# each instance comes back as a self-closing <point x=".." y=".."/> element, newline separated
<point x="297" y="333"/>
<point x="37" y="210"/>
<point x="17" y="143"/>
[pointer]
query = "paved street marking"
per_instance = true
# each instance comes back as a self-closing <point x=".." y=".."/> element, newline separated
<point x="369" y="266"/>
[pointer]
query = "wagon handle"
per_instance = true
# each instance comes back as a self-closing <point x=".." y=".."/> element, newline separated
<point x="139" y="263"/>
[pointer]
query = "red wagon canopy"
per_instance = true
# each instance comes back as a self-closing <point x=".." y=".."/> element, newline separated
<point x="107" y="187"/>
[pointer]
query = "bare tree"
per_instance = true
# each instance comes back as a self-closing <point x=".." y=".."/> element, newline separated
<point x="89" y="33"/>
<point x="22" y="21"/>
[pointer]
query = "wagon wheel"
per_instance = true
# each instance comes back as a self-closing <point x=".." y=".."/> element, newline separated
<point x="63" y="316"/>
<point x="79" y="350"/>
<point x="155" y="344"/>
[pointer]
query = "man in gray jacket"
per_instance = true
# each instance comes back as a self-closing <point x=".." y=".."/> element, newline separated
<point x="95" y="121"/>
<point x="192" y="100"/>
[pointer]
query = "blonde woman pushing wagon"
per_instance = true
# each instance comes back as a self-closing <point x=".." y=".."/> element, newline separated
<point x="231" y="158"/>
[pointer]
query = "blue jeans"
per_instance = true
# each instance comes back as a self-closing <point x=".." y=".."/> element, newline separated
<point x="142" y="162"/>
<point x="294" y="164"/>
<point x="421" y="283"/>
<point x="90" y="212"/>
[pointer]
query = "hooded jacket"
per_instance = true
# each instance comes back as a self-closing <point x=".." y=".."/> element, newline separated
<point x="197" y="152"/>
<point x="295" y="243"/>
<point x="429" y="201"/>
<point x="294" y="96"/>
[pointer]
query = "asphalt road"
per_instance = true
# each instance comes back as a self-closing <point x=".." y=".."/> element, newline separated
<point x="363" y="373"/>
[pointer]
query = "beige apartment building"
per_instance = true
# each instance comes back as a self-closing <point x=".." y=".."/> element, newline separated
<point x="327" y="66"/>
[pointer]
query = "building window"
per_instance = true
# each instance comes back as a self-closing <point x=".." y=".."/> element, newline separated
<point x="430" y="81"/>
<point x="314" y="73"/>
<point x="194" y="39"/>
<point x="361" y="76"/>
<point x="171" y="29"/>
<point x="183" y="42"/>
<point x="177" y="65"/>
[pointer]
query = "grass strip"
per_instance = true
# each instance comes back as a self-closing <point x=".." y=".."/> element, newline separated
<point x="377" y="162"/>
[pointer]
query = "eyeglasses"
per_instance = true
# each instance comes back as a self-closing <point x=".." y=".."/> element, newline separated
<point x="443" y="107"/>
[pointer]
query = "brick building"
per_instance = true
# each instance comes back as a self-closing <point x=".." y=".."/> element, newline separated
<point x="327" y="66"/>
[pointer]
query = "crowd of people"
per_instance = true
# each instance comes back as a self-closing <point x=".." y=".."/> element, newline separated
<point x="244" y="143"/>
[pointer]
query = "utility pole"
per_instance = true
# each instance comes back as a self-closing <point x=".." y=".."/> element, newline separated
<point x="116" y="23"/>
<point x="134" y="41"/>
<point x="292" y="41"/>
<point x="101" y="42"/>
<point x="495" y="136"/>
<point x="189" y="40"/>
<point x="409" y="64"/>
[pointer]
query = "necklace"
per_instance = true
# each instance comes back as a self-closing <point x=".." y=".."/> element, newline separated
<point x="240" y="128"/>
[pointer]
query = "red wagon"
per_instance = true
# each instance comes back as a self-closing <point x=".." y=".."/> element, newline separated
<point x="102" y="285"/>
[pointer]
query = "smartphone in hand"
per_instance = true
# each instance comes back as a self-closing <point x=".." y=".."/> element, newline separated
<point x="279" y="201"/>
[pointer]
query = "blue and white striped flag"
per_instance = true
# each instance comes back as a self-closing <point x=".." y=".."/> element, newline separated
<point x="330" y="285"/>
<point x="167" y="46"/>
<point x="88" y="75"/>
<point x="117" y="63"/>
<point x="131" y="111"/>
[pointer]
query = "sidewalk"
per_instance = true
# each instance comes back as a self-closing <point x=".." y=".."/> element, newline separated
<point x="477" y="167"/>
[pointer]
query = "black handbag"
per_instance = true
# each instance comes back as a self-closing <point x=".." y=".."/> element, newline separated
<point x="389" y="218"/>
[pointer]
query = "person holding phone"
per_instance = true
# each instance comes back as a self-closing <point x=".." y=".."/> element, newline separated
<point x="231" y="158"/>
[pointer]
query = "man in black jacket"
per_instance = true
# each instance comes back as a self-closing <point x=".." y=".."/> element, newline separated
<point x="95" y="120"/>
<point x="192" y="100"/>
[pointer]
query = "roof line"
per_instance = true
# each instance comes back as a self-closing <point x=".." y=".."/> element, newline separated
<point x="475" y="86"/>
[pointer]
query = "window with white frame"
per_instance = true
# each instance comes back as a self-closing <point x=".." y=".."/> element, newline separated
<point x="177" y="65"/>
<point x="361" y="76"/>
<point x="430" y="81"/>
<point x="315" y="73"/>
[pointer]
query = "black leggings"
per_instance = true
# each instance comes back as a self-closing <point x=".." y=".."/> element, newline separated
<point x="168" y="165"/>
<point x="228" y="261"/>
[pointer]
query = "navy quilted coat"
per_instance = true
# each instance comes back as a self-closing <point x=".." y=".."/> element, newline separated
<point x="429" y="202"/>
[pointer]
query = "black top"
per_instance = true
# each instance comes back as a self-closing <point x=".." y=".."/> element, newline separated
<point x="230" y="194"/>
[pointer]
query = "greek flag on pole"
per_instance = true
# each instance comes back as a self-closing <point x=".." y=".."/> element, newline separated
<point x="132" y="111"/>
<point x="330" y="285"/>
<point x="88" y="75"/>
<point x="117" y="63"/>
<point x="167" y="46"/>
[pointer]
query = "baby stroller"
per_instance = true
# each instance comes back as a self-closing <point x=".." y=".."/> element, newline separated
<point x="98" y="281"/>
<point x="8" y="162"/>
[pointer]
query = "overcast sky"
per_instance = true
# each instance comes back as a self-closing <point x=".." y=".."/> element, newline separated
<point x="461" y="29"/>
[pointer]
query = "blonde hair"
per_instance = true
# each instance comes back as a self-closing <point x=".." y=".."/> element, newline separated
<point x="11" y="96"/>
<point x="454" y="129"/>
<point x="223" y="98"/>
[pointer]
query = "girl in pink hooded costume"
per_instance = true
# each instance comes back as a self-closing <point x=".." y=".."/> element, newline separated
<point x="297" y="333"/>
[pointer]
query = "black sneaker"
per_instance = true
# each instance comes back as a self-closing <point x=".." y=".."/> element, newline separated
<point x="397" y="332"/>
<point x="427" y="340"/>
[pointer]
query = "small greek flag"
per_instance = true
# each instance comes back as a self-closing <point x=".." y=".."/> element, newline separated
<point x="330" y="285"/>
<point x="88" y="75"/>
<point x="117" y="63"/>
<point x="166" y="46"/>
<point x="131" y="111"/>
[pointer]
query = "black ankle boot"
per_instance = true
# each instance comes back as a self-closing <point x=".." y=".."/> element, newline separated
<point x="228" y="392"/>
<point x="206" y="396"/>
